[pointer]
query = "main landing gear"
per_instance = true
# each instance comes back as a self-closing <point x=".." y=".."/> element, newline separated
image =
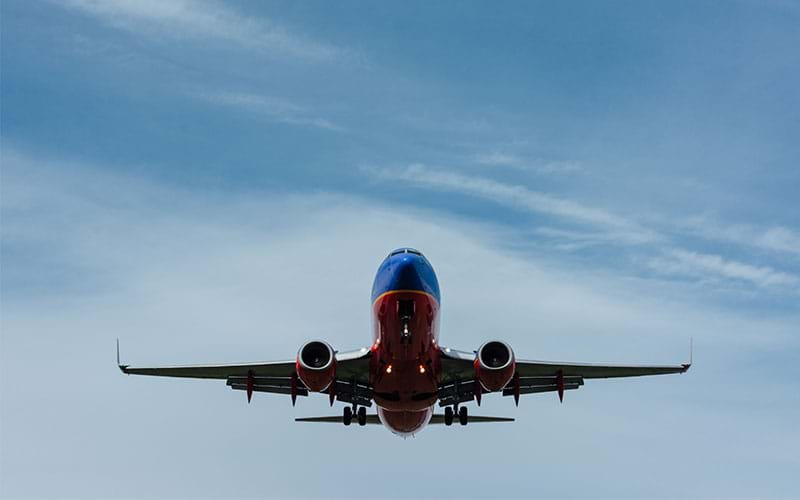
<point x="450" y="412"/>
<point x="359" y="413"/>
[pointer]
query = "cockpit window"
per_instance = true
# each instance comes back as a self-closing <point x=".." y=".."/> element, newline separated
<point x="406" y="250"/>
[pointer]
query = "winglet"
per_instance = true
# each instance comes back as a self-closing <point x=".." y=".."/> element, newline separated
<point x="688" y="365"/>
<point x="122" y="368"/>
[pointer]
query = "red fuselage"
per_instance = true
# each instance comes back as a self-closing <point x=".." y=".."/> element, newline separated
<point x="405" y="369"/>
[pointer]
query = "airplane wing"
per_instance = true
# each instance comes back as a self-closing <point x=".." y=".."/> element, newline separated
<point x="531" y="377"/>
<point x="278" y="377"/>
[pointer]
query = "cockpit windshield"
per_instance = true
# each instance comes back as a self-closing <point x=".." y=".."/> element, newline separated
<point x="405" y="250"/>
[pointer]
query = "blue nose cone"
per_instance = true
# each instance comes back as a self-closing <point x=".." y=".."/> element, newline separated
<point x="405" y="269"/>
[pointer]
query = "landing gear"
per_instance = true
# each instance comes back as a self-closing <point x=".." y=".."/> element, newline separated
<point x="450" y="413"/>
<point x="405" y="311"/>
<point x="347" y="417"/>
<point x="462" y="415"/>
<point x="362" y="416"/>
<point x="352" y="411"/>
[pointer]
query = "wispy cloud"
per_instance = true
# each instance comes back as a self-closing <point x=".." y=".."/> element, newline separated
<point x="503" y="159"/>
<point x="185" y="276"/>
<point x="203" y="20"/>
<point x="773" y="238"/>
<point x="273" y="108"/>
<point x="706" y="266"/>
<point x="499" y="159"/>
<point x="517" y="197"/>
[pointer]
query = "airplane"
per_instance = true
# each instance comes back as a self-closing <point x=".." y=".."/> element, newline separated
<point x="405" y="372"/>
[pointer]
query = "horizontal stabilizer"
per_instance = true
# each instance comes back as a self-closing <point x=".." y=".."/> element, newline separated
<point x="371" y="419"/>
<point x="374" y="420"/>
<point x="473" y="419"/>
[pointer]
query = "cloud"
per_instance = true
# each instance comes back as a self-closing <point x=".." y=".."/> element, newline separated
<point x="201" y="21"/>
<point x="517" y="197"/>
<point x="682" y="262"/>
<point x="598" y="227"/>
<point x="500" y="159"/>
<point x="276" y="109"/>
<point x="185" y="276"/>
<point x="773" y="238"/>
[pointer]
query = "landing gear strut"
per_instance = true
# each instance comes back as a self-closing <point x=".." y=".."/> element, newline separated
<point x="405" y="310"/>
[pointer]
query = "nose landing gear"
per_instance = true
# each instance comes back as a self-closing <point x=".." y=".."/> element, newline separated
<point x="405" y="311"/>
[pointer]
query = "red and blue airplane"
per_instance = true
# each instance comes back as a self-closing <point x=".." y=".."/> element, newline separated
<point x="405" y="372"/>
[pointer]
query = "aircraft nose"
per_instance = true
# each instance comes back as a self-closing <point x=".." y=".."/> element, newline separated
<point x="407" y="267"/>
<point x="407" y="275"/>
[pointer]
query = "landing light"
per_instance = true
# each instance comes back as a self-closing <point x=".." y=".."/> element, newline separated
<point x="421" y="369"/>
<point x="389" y="369"/>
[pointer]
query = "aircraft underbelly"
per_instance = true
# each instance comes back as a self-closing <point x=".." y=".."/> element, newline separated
<point x="406" y="368"/>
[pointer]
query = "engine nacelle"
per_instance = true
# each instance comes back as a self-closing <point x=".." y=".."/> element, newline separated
<point x="316" y="365"/>
<point x="494" y="365"/>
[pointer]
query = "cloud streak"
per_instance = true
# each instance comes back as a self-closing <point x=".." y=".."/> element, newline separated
<point x="201" y="21"/>
<point x="598" y="227"/>
<point x="772" y="238"/>
<point x="501" y="159"/>
<point x="275" y="109"/>
<point x="516" y="197"/>
<point x="685" y="263"/>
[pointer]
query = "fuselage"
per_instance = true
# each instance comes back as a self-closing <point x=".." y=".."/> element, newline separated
<point x="406" y="368"/>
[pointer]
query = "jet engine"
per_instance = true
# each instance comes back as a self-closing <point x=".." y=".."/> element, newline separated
<point x="316" y="365"/>
<point x="494" y="365"/>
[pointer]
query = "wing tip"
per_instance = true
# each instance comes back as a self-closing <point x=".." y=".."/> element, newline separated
<point x="685" y="366"/>
<point x="122" y="368"/>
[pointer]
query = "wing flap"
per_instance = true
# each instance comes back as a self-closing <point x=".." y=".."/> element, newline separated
<point x="457" y="392"/>
<point x="509" y="390"/>
<point x="270" y="388"/>
<point x="349" y="392"/>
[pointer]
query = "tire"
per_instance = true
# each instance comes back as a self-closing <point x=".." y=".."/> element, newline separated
<point x="362" y="416"/>
<point x="448" y="416"/>
<point x="462" y="415"/>
<point x="347" y="417"/>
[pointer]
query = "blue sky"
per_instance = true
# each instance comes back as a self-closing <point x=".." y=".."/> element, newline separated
<point x="218" y="182"/>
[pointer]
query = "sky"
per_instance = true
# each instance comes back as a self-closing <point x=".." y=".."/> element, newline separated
<point x="218" y="182"/>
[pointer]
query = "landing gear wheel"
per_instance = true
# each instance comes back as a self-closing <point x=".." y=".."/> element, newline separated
<point x="462" y="415"/>
<point x="362" y="416"/>
<point x="347" y="417"/>
<point x="448" y="416"/>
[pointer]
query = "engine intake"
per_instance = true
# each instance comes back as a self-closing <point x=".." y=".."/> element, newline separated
<point x="494" y="365"/>
<point x="316" y="365"/>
